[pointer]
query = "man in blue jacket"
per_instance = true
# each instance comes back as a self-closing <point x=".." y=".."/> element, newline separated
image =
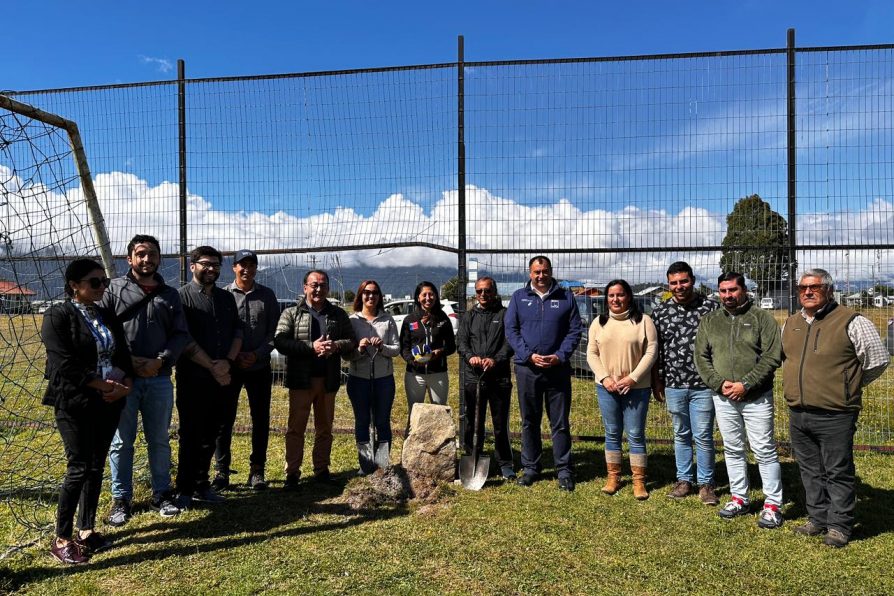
<point x="543" y="326"/>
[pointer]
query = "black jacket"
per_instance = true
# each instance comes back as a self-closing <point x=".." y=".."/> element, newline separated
<point x="482" y="333"/>
<point x="438" y="334"/>
<point x="72" y="359"/>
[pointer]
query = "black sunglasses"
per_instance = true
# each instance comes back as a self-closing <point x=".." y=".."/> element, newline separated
<point x="96" y="282"/>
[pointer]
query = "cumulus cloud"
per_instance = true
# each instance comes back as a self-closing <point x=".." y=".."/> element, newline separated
<point x="161" y="64"/>
<point x="43" y="219"/>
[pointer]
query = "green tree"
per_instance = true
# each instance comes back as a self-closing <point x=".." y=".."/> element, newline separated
<point x="349" y="296"/>
<point x="753" y="224"/>
<point x="451" y="289"/>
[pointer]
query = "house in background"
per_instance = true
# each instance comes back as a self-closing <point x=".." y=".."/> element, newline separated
<point x="15" y="298"/>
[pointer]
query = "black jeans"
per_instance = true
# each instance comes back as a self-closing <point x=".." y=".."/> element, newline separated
<point x="551" y="386"/>
<point x="199" y="400"/>
<point x="258" y="386"/>
<point x="86" y="435"/>
<point x="497" y="393"/>
<point x="823" y="445"/>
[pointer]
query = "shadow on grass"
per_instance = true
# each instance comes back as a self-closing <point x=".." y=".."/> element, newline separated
<point x="247" y="517"/>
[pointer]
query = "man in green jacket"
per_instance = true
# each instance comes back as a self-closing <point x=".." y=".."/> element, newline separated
<point x="737" y="351"/>
<point x="312" y="335"/>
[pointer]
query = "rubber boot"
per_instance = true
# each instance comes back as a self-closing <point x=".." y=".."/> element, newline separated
<point x="365" y="457"/>
<point x="638" y="467"/>
<point x="383" y="454"/>
<point x="613" y="478"/>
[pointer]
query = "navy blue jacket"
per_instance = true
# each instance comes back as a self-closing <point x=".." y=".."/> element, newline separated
<point x="548" y="326"/>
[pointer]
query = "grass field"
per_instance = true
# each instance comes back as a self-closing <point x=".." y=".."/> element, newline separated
<point x="503" y="539"/>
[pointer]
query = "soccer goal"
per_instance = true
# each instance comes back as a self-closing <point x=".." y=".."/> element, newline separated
<point x="49" y="215"/>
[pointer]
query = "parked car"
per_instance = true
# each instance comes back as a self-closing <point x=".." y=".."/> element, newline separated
<point x="768" y="303"/>
<point x="591" y="307"/>
<point x="399" y="309"/>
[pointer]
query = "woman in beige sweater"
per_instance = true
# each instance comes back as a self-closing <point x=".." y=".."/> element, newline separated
<point x="622" y="347"/>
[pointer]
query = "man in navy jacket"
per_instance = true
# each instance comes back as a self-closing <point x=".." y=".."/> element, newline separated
<point x="543" y="326"/>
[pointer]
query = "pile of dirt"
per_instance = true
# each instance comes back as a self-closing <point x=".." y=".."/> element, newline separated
<point x="392" y="486"/>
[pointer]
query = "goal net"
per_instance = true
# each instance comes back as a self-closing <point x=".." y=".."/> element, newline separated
<point x="48" y="215"/>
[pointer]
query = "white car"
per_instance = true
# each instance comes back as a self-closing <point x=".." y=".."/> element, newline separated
<point x="399" y="309"/>
<point x="768" y="303"/>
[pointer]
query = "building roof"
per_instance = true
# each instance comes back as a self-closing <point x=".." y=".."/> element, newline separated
<point x="9" y="288"/>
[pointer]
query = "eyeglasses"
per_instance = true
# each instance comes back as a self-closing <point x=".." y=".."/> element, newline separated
<point x="96" y="282"/>
<point x="319" y="286"/>
<point x="208" y="264"/>
<point x="811" y="287"/>
<point x="370" y="292"/>
<point x="484" y="290"/>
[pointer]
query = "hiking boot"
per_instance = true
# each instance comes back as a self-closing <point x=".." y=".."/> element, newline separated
<point x="221" y="482"/>
<point x="208" y="495"/>
<point x="165" y="505"/>
<point x="681" y="490"/>
<point x="809" y="529"/>
<point x="835" y="539"/>
<point x="68" y="553"/>
<point x="734" y="508"/>
<point x="291" y="482"/>
<point x="708" y="496"/>
<point x="94" y="542"/>
<point x="120" y="512"/>
<point x="770" y="517"/>
<point x="256" y="481"/>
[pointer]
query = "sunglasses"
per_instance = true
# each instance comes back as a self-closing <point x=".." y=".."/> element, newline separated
<point x="97" y="282"/>
<point x="812" y="287"/>
<point x="370" y="292"/>
<point x="484" y="290"/>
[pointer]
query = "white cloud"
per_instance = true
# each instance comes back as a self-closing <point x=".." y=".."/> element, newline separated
<point x="161" y="64"/>
<point x="38" y="218"/>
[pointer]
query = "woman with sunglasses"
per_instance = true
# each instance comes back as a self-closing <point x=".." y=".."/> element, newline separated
<point x="426" y="339"/>
<point x="89" y="371"/>
<point x="621" y="350"/>
<point x="371" y="375"/>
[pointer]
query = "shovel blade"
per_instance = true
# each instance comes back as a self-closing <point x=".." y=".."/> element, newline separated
<point x="472" y="473"/>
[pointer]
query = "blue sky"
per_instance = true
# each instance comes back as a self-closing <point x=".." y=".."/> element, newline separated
<point x="607" y="155"/>
<point x="98" y="42"/>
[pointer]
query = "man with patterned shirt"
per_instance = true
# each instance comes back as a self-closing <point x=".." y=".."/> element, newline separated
<point x="689" y="401"/>
<point x="830" y="353"/>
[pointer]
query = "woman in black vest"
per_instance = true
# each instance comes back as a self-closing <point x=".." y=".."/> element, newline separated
<point x="88" y="369"/>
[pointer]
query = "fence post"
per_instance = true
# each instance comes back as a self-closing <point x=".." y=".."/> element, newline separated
<point x="792" y="172"/>
<point x="181" y="134"/>
<point x="462" y="274"/>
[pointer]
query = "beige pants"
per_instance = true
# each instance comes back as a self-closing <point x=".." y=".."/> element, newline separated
<point x="300" y="403"/>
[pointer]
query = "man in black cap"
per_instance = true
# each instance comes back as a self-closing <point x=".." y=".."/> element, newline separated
<point x="259" y="313"/>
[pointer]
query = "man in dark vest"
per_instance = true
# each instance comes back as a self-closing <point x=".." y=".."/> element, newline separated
<point x="830" y="354"/>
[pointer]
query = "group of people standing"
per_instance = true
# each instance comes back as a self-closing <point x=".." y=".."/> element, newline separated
<point x="112" y="348"/>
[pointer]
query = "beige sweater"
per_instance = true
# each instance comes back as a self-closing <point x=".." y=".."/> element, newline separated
<point x="622" y="348"/>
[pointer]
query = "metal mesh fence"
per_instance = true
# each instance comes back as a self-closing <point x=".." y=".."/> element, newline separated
<point x="613" y="167"/>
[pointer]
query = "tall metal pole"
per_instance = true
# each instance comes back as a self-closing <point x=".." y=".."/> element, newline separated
<point x="181" y="133"/>
<point x="792" y="172"/>
<point x="462" y="275"/>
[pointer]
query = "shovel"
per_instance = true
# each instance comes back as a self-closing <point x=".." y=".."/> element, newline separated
<point x="473" y="469"/>
<point x="381" y="454"/>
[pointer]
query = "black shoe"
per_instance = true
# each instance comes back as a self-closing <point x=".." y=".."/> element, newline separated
<point x="93" y="543"/>
<point x="508" y="473"/>
<point x="120" y="512"/>
<point x="324" y="477"/>
<point x="291" y="482"/>
<point x="525" y="480"/>
<point x="566" y="483"/>
<point x="221" y="482"/>
<point x="256" y="481"/>
<point x="165" y="504"/>
<point x="208" y="495"/>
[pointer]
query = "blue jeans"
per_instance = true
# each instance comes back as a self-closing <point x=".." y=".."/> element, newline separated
<point x="622" y="413"/>
<point x="154" y="399"/>
<point x="360" y="392"/>
<point x="692" y="412"/>
<point x="754" y="419"/>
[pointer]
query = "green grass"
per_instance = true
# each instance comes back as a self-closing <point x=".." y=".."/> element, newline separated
<point x="501" y="539"/>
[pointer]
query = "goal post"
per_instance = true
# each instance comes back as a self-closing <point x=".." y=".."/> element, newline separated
<point x="97" y="222"/>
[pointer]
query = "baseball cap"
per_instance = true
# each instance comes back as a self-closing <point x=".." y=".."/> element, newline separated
<point x="245" y="254"/>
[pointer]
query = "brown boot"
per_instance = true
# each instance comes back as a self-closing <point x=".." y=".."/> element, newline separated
<point x="638" y="467"/>
<point x="613" y="478"/>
